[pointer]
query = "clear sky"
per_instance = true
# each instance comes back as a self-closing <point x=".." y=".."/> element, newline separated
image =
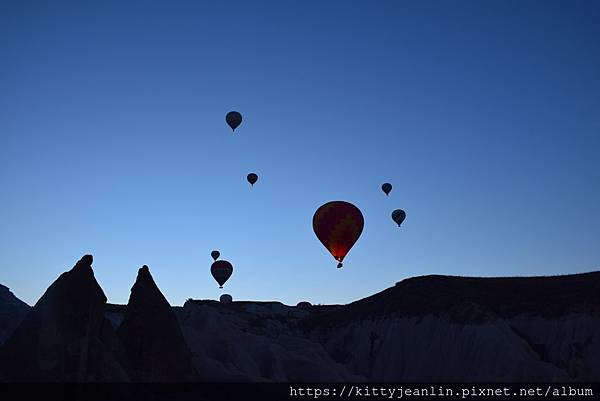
<point x="484" y="115"/>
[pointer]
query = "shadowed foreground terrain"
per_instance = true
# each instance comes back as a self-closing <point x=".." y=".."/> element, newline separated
<point x="430" y="328"/>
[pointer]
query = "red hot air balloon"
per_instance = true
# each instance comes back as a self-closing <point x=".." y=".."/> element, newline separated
<point x="338" y="225"/>
<point x="221" y="270"/>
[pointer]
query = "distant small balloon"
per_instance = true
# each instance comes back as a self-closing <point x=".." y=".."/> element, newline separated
<point x="221" y="271"/>
<point x="225" y="299"/>
<point x="252" y="178"/>
<point x="233" y="119"/>
<point x="398" y="216"/>
<point x="387" y="188"/>
<point x="215" y="255"/>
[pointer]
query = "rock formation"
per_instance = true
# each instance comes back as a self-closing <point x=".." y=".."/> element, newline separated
<point x="65" y="337"/>
<point x="440" y="328"/>
<point x="151" y="336"/>
<point x="12" y="312"/>
<point x="430" y="328"/>
<point x="255" y="341"/>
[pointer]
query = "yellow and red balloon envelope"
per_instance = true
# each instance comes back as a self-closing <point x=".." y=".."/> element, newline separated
<point x="338" y="225"/>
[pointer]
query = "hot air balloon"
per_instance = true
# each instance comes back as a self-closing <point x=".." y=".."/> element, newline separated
<point x="338" y="225"/>
<point x="221" y="270"/>
<point x="398" y="216"/>
<point x="215" y="255"/>
<point x="387" y="188"/>
<point x="233" y="119"/>
<point x="225" y="299"/>
<point x="252" y="178"/>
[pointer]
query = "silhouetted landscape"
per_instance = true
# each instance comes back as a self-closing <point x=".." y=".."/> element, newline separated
<point x="429" y="328"/>
<point x="339" y="196"/>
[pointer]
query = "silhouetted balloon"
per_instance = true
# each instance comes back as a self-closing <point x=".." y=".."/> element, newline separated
<point x="215" y="255"/>
<point x="221" y="270"/>
<point x="398" y="216"/>
<point x="225" y="299"/>
<point x="303" y="304"/>
<point x="338" y="225"/>
<point x="252" y="178"/>
<point x="387" y="188"/>
<point x="233" y="119"/>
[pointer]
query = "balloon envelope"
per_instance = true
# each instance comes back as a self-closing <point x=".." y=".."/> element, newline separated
<point x="221" y="270"/>
<point x="398" y="216"/>
<point x="387" y="188"/>
<point x="252" y="178"/>
<point x="225" y="299"/>
<point x="215" y="255"/>
<point x="338" y="225"/>
<point x="233" y="119"/>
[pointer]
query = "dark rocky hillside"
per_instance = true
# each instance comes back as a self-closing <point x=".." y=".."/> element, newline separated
<point x="12" y="312"/>
<point x="430" y="328"/>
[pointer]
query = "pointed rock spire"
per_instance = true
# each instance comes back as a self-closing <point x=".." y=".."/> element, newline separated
<point x="152" y="337"/>
<point x="65" y="337"/>
<point x="12" y="312"/>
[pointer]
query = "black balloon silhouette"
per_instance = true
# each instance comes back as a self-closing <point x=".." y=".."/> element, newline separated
<point x="233" y="119"/>
<point x="221" y="271"/>
<point x="387" y="188"/>
<point x="225" y="299"/>
<point x="398" y="216"/>
<point x="252" y="178"/>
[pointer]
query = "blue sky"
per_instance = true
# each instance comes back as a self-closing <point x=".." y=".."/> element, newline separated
<point x="485" y="116"/>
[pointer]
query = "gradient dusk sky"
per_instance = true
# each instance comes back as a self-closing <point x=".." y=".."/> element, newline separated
<point x="484" y="115"/>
